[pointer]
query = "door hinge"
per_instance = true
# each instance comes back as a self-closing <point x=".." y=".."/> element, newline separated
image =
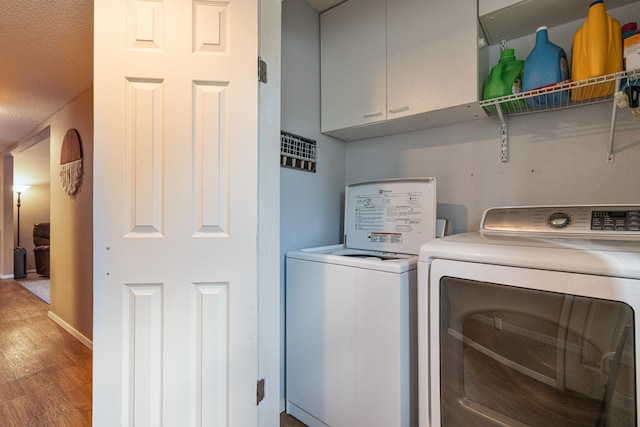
<point x="262" y="70"/>
<point x="259" y="391"/>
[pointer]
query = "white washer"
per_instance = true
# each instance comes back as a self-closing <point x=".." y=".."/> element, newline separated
<point x="351" y="310"/>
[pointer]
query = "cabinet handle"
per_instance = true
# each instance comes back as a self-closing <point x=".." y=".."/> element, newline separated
<point x="399" y="109"/>
<point x="375" y="113"/>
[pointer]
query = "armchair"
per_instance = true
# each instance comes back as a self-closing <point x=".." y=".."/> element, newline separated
<point x="41" y="247"/>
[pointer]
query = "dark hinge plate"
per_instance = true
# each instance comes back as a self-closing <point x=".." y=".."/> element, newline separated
<point x="260" y="391"/>
<point x="262" y="70"/>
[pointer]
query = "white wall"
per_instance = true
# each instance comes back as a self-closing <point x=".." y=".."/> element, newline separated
<point x="6" y="224"/>
<point x="72" y="225"/>
<point x="310" y="203"/>
<point x="555" y="158"/>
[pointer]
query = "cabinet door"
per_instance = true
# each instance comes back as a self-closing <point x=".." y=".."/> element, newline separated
<point x="432" y="55"/>
<point x="353" y="64"/>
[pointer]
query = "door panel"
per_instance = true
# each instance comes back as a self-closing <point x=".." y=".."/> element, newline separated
<point x="175" y="256"/>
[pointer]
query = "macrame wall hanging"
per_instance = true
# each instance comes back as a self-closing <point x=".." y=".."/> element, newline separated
<point x="71" y="163"/>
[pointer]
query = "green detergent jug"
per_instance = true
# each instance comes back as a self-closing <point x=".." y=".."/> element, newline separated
<point x="505" y="79"/>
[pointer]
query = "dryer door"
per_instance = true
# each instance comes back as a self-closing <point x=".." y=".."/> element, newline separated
<point x="511" y="352"/>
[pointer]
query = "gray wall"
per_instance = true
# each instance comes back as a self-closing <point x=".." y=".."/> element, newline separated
<point x="555" y="157"/>
<point x="310" y="203"/>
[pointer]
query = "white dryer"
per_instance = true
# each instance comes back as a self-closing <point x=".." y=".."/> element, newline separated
<point x="351" y="324"/>
<point x="532" y="320"/>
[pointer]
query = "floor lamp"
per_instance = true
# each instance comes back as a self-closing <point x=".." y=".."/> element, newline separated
<point x="19" y="253"/>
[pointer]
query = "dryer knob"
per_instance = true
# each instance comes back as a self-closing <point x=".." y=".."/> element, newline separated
<point x="559" y="220"/>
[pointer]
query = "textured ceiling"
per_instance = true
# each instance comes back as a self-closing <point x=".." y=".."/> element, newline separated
<point x="46" y="60"/>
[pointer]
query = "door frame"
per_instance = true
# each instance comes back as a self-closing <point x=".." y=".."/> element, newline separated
<point x="269" y="44"/>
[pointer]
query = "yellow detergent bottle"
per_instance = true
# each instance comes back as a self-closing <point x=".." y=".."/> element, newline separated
<point x="596" y="51"/>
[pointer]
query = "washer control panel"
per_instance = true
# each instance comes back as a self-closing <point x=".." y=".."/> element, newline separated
<point x="609" y="220"/>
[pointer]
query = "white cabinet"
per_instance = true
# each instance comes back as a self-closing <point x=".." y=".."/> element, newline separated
<point x="353" y="64"/>
<point x="511" y="19"/>
<point x="390" y="66"/>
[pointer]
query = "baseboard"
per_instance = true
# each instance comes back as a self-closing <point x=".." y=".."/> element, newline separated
<point x="283" y="405"/>
<point x="304" y="416"/>
<point x="12" y="276"/>
<point x="67" y="327"/>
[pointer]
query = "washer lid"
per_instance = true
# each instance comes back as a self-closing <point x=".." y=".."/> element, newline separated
<point x="395" y="215"/>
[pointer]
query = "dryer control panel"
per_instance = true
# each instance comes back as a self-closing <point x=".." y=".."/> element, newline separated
<point x="592" y="220"/>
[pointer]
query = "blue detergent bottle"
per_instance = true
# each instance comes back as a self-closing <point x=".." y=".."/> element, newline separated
<point x="545" y="66"/>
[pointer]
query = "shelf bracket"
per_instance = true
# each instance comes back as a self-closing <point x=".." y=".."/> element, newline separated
<point x="614" y="113"/>
<point x="513" y="104"/>
<point x="504" y="140"/>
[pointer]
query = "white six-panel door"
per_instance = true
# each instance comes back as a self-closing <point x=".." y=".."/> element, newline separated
<point x="175" y="213"/>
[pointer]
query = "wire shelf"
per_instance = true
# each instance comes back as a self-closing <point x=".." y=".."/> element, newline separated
<point x="561" y="95"/>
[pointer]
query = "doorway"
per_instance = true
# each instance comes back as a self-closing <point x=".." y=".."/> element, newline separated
<point x="32" y="170"/>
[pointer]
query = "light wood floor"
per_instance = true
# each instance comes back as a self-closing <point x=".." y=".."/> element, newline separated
<point x="45" y="373"/>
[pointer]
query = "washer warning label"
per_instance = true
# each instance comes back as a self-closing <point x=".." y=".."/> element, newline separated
<point x="385" y="237"/>
<point x="387" y="215"/>
<point x="390" y="215"/>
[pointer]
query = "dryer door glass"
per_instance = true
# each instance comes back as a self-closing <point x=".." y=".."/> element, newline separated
<point x="511" y="355"/>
